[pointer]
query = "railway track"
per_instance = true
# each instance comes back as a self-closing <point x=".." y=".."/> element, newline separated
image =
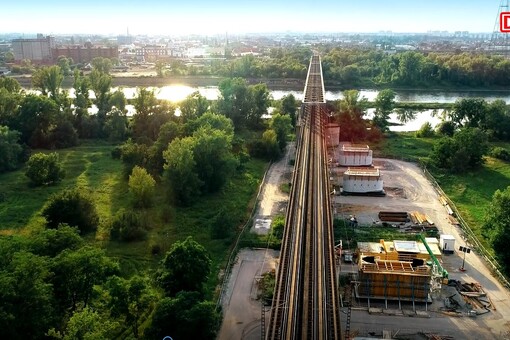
<point x="305" y="304"/>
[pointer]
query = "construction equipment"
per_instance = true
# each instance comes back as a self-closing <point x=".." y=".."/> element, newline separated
<point x="442" y="272"/>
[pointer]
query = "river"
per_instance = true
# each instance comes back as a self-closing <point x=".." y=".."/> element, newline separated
<point x="177" y="93"/>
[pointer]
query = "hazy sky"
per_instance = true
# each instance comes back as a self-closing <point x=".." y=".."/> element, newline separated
<point x="245" y="16"/>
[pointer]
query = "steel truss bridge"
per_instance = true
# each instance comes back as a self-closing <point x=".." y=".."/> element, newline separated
<point x="305" y="303"/>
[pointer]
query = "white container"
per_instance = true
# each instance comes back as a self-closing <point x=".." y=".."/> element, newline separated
<point x="362" y="180"/>
<point x="447" y="243"/>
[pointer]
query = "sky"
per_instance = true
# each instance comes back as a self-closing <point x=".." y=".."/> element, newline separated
<point x="170" y="17"/>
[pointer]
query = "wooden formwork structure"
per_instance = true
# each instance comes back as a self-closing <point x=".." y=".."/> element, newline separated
<point x="393" y="280"/>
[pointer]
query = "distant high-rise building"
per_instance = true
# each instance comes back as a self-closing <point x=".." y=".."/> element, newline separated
<point x="37" y="50"/>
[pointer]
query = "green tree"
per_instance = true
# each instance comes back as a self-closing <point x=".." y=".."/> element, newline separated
<point x="51" y="242"/>
<point x="410" y="65"/>
<point x="425" y="131"/>
<point x="131" y="300"/>
<point x="282" y="125"/>
<point x="128" y="226"/>
<point x="133" y="154"/>
<point x="35" y="119"/>
<point x="213" y="120"/>
<point x="167" y="133"/>
<point x="9" y="57"/>
<point x="102" y="65"/>
<point x="442" y="153"/>
<point x="446" y="128"/>
<point x="81" y="102"/>
<point x="475" y="142"/>
<point x="235" y="100"/>
<point x="260" y="101"/>
<point x="9" y="105"/>
<point x="288" y="106"/>
<point x="350" y="111"/>
<point x="160" y="68"/>
<point x="212" y="152"/>
<point x="469" y="112"/>
<point x="101" y="83"/>
<point x="195" y="105"/>
<point x="116" y="125"/>
<point x="141" y="187"/>
<point x="352" y="103"/>
<point x="500" y="153"/>
<point x="384" y="104"/>
<point x="278" y="225"/>
<point x="86" y="324"/>
<point x="186" y="267"/>
<point x="44" y="169"/>
<point x="184" y="317"/>
<point x="222" y="225"/>
<point x="10" y="84"/>
<point x="118" y="100"/>
<point x="496" y="226"/>
<point x="65" y="64"/>
<point x="270" y="144"/>
<point x="48" y="79"/>
<point x="180" y="170"/>
<point x="26" y="303"/>
<point x="145" y="104"/>
<point x="74" y="207"/>
<point x="497" y="120"/>
<point x="461" y="152"/>
<point x="63" y="135"/>
<point x="76" y="273"/>
<point x="11" y="153"/>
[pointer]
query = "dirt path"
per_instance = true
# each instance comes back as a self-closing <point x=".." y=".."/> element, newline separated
<point x="272" y="199"/>
<point x="242" y="310"/>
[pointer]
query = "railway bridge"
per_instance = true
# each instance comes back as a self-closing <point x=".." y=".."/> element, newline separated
<point x="305" y="303"/>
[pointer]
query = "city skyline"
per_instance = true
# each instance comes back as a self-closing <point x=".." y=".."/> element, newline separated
<point x="155" y="17"/>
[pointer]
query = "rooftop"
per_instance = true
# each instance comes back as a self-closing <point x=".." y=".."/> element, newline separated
<point x="406" y="246"/>
<point x="355" y="147"/>
<point x="372" y="172"/>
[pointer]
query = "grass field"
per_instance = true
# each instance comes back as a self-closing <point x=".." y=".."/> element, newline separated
<point x="403" y="146"/>
<point x="472" y="192"/>
<point x="90" y="167"/>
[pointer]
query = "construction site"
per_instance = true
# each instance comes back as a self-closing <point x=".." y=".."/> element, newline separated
<point x="414" y="269"/>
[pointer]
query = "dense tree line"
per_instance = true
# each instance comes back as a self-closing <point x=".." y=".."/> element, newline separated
<point x="362" y="67"/>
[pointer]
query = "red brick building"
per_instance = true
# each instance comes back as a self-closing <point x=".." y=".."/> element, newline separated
<point x="84" y="54"/>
